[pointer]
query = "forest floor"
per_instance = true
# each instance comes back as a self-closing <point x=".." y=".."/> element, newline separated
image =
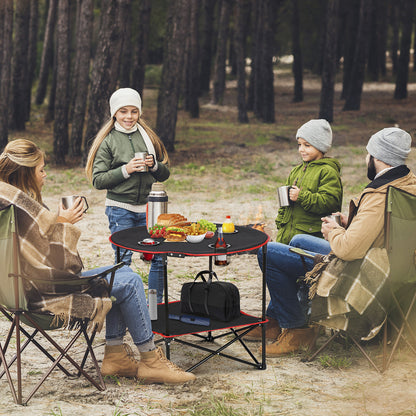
<point x="221" y="168"/>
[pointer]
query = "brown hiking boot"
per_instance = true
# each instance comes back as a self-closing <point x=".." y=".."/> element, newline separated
<point x="273" y="330"/>
<point x="292" y="340"/>
<point x="154" y="367"/>
<point x="119" y="361"/>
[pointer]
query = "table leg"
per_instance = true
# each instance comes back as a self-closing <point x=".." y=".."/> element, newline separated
<point x="166" y="308"/>
<point x="263" y="309"/>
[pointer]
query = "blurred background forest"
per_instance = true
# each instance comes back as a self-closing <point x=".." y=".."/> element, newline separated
<point x="67" y="57"/>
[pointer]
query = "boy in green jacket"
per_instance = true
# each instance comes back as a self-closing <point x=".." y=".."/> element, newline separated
<point x="316" y="188"/>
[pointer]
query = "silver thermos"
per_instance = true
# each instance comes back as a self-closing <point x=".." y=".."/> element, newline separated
<point x="157" y="204"/>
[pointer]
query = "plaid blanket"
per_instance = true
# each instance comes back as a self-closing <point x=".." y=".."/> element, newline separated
<point x="351" y="296"/>
<point x="51" y="265"/>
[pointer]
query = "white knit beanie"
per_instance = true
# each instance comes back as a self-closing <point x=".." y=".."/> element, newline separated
<point x="124" y="97"/>
<point x="317" y="133"/>
<point x="390" y="145"/>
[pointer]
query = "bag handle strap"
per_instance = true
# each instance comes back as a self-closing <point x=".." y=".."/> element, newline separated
<point x="209" y="272"/>
<point x="206" y="290"/>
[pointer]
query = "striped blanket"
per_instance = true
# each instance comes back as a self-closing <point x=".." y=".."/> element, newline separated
<point x="351" y="296"/>
<point x="49" y="254"/>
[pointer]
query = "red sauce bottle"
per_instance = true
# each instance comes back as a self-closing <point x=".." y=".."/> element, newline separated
<point x="220" y="250"/>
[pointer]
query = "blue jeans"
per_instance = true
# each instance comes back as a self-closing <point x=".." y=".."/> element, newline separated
<point x="130" y="307"/>
<point x="120" y="219"/>
<point x="283" y="270"/>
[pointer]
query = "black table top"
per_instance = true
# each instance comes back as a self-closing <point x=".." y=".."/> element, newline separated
<point x="243" y="239"/>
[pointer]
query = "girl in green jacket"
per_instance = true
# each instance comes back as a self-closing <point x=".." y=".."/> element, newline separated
<point x="112" y="165"/>
<point x="316" y="188"/>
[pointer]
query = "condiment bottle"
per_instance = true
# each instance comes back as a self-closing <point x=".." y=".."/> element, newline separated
<point x="227" y="225"/>
<point x="220" y="250"/>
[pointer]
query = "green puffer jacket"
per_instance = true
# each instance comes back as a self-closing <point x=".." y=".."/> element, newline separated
<point x="320" y="195"/>
<point x="116" y="150"/>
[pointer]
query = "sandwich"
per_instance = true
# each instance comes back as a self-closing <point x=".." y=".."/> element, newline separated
<point x="172" y="220"/>
<point x="175" y="234"/>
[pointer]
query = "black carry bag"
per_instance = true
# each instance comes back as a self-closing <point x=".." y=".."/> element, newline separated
<point x="211" y="298"/>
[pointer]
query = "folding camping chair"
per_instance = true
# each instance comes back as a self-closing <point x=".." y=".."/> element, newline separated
<point x="13" y="305"/>
<point x="400" y="242"/>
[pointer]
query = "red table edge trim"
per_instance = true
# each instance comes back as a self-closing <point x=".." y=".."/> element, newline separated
<point x="190" y="254"/>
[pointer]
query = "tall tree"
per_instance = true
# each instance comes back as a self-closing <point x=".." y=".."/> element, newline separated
<point x="297" y="66"/>
<point x="192" y="80"/>
<point x="402" y="78"/>
<point x="142" y="46"/>
<point x="355" y="87"/>
<point x="377" y="49"/>
<point x="242" y="12"/>
<point x="81" y="74"/>
<point x="263" y="89"/>
<point x="102" y="74"/>
<point x="173" y="52"/>
<point x="351" y="15"/>
<point x="394" y="18"/>
<point x="46" y="62"/>
<point x="32" y="48"/>
<point x="329" y="64"/>
<point x="221" y="55"/>
<point x="6" y="47"/>
<point x="125" y="22"/>
<point x="60" y="130"/>
<point x="207" y="43"/>
<point x="20" y="84"/>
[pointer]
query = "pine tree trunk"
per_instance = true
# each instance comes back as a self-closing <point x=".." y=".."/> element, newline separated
<point x="20" y="80"/>
<point x="193" y="79"/>
<point x="206" y="50"/>
<point x="329" y="64"/>
<point x="142" y="46"/>
<point x="6" y="43"/>
<point x="173" y="57"/>
<point x="377" y="48"/>
<point x="242" y="11"/>
<point x="400" y="91"/>
<point x="395" y="30"/>
<point x="350" y="40"/>
<point x="102" y="83"/>
<point x="46" y="62"/>
<point x="221" y="55"/>
<point x="32" y="50"/>
<point x="353" y="98"/>
<point x="82" y="58"/>
<point x="125" y="19"/>
<point x="297" y="67"/>
<point x="60" y="131"/>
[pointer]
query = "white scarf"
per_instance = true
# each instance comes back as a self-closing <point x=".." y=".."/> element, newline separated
<point x="142" y="131"/>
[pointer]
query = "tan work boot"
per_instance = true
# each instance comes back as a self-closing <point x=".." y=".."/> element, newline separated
<point x="119" y="361"/>
<point x="273" y="330"/>
<point x="292" y="340"/>
<point x="154" y="367"/>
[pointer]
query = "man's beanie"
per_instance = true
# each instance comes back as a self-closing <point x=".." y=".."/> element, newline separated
<point x="124" y="97"/>
<point x="317" y="133"/>
<point x="390" y="145"/>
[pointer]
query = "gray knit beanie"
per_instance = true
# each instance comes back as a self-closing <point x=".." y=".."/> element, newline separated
<point x="124" y="97"/>
<point x="390" y="145"/>
<point x="317" y="133"/>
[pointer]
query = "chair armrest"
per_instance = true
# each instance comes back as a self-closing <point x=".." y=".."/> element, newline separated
<point x="111" y="270"/>
<point x="301" y="252"/>
<point x="81" y="279"/>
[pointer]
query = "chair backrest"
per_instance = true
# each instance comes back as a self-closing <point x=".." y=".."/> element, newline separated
<point x="401" y="235"/>
<point x="11" y="289"/>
